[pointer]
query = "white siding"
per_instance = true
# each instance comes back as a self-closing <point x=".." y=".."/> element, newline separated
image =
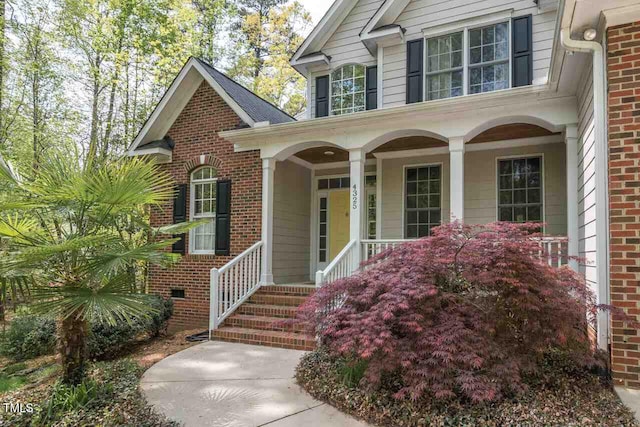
<point x="291" y="223"/>
<point x="344" y="46"/>
<point x="393" y="189"/>
<point x="480" y="197"/>
<point x="586" y="176"/>
<point x="480" y="179"/>
<point x="422" y="14"/>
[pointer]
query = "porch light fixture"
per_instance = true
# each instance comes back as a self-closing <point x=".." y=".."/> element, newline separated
<point x="329" y="153"/>
<point x="590" y="34"/>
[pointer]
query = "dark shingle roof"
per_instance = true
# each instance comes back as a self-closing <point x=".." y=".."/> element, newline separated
<point x="257" y="108"/>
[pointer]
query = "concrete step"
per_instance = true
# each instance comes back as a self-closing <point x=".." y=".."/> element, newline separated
<point x="271" y="299"/>
<point x="290" y="340"/>
<point x="268" y="310"/>
<point x="263" y="323"/>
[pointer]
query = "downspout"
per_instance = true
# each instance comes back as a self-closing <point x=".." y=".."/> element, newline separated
<point x="602" y="172"/>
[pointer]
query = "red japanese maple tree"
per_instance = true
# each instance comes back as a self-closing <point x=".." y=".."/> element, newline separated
<point x="466" y="313"/>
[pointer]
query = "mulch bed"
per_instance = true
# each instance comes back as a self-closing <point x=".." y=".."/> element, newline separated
<point x="569" y="401"/>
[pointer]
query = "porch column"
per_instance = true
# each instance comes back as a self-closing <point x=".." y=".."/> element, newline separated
<point x="268" y="174"/>
<point x="456" y="161"/>
<point x="357" y="160"/>
<point x="573" y="227"/>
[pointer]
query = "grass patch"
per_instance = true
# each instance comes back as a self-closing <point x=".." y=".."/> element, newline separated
<point x="567" y="400"/>
<point x="8" y="383"/>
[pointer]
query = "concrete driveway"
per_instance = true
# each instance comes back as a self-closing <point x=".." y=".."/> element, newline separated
<point x="225" y="384"/>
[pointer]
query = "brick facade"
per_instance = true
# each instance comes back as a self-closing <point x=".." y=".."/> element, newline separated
<point x="623" y="67"/>
<point x="195" y="133"/>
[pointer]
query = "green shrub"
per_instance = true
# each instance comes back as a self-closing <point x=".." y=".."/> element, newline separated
<point x="158" y="321"/>
<point x="28" y="337"/>
<point x="107" y="341"/>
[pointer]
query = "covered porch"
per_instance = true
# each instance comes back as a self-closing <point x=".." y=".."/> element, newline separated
<point x="341" y="189"/>
<point x="333" y="205"/>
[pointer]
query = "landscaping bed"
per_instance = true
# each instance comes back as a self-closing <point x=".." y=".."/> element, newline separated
<point x="567" y="400"/>
<point x="110" y="395"/>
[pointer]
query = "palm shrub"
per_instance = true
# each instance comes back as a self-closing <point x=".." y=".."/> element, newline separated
<point x="69" y="229"/>
<point x="468" y="313"/>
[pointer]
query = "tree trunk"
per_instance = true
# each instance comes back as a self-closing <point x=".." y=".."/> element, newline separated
<point x="72" y="342"/>
<point x="93" y="138"/>
<point x="2" y="69"/>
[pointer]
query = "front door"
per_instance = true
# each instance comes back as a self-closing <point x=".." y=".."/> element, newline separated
<point x="338" y="222"/>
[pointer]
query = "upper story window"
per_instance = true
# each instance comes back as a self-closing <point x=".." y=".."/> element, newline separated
<point x="473" y="60"/>
<point x="348" y="85"/>
<point x="203" y="207"/>
<point x="489" y="58"/>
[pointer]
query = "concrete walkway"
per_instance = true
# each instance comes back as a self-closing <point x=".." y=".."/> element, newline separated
<point x="225" y="384"/>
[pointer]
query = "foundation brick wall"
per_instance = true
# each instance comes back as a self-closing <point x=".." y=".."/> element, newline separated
<point x="623" y="68"/>
<point x="195" y="134"/>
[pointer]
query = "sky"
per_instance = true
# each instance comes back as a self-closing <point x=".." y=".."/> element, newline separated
<point x="317" y="8"/>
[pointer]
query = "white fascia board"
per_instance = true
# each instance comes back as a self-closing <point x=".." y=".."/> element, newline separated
<point x="166" y="99"/>
<point x="161" y="155"/>
<point x="301" y="65"/>
<point x="325" y="28"/>
<point x="621" y="15"/>
<point x="386" y="15"/>
<point x="379" y="38"/>
<point x="177" y="97"/>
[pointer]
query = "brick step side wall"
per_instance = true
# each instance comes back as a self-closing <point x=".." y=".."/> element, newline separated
<point x="259" y="321"/>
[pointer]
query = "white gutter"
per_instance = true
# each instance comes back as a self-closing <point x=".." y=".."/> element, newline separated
<point x="601" y="174"/>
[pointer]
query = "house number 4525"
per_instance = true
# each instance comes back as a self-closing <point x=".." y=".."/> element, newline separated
<point x="354" y="197"/>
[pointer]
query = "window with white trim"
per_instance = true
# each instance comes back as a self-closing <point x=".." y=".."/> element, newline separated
<point x="348" y="86"/>
<point x="423" y="200"/>
<point x="520" y="190"/>
<point x="474" y="60"/>
<point x="203" y="207"/>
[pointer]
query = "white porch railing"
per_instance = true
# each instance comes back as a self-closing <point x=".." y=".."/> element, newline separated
<point x="233" y="284"/>
<point x="371" y="248"/>
<point x="555" y="250"/>
<point x="342" y="266"/>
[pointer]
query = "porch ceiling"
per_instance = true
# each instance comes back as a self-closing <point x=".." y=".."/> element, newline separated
<point x="319" y="155"/>
<point x="410" y="143"/>
<point x="510" y="132"/>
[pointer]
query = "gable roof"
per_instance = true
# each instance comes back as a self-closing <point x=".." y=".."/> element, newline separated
<point x="259" y="109"/>
<point x="323" y="31"/>
<point x="247" y="105"/>
<point x="386" y="15"/>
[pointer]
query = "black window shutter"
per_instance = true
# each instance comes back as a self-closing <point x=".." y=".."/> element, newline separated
<point x="223" y="218"/>
<point x="322" y="96"/>
<point x="372" y="88"/>
<point x="180" y="215"/>
<point x="415" y="70"/>
<point x="522" y="51"/>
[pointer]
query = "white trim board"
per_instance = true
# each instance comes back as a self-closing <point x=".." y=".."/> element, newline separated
<point x="469" y="148"/>
<point x="176" y="99"/>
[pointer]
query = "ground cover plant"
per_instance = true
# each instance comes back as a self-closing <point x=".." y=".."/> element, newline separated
<point x="469" y="315"/>
<point x="561" y="400"/>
